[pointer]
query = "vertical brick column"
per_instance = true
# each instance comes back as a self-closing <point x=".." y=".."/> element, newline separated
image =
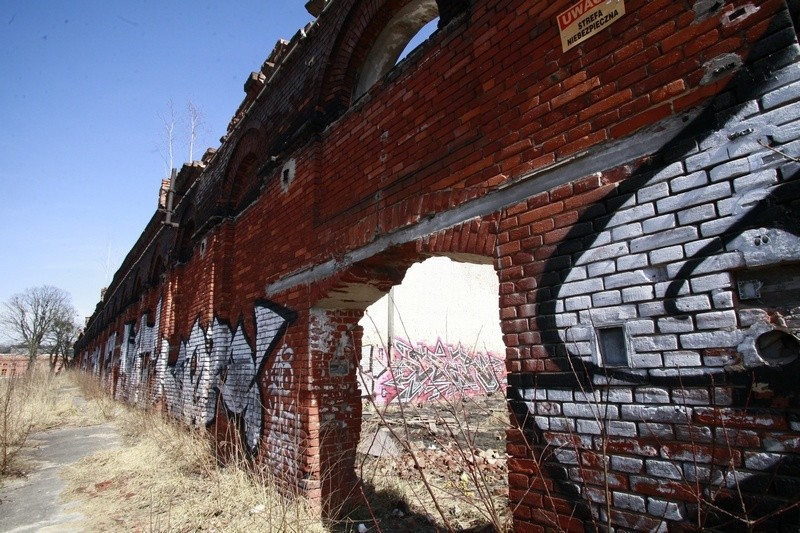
<point x="335" y="348"/>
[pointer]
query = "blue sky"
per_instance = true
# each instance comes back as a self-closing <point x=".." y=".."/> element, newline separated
<point x="83" y="87"/>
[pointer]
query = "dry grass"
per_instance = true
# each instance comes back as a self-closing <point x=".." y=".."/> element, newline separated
<point x="166" y="478"/>
<point x="449" y="472"/>
<point x="30" y="403"/>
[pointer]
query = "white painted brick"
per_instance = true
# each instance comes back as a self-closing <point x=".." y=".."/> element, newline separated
<point x="646" y="360"/>
<point x="726" y="207"/>
<point x="628" y="231"/>
<point x="692" y="303"/>
<point x="579" y="333"/>
<point x="606" y="298"/>
<point x="633" y="502"/>
<point x="663" y="239"/>
<point x="656" y="430"/>
<point x="630" y="465"/>
<point x="601" y="239"/>
<point x="674" y="414"/>
<point x="676" y="373"/>
<point x="748" y="317"/>
<point x="601" y="268"/>
<point x="577" y="273"/>
<point x="634" y="214"/>
<point x="693" y="433"/>
<point x="691" y="396"/>
<point x="693" y="197"/>
<point x="542" y="422"/>
<point x="652" y="309"/>
<point x="637" y="294"/>
<point x="690" y="181"/>
<point x="655" y="343"/>
<point x="781" y="96"/>
<point x="565" y="320"/>
<point x="548" y="408"/>
<point x="762" y="461"/>
<point x="629" y="262"/>
<point x="566" y="457"/>
<point x="711" y="282"/>
<point x="716" y="263"/>
<point x="666" y="255"/>
<point x="697" y="473"/>
<point x="619" y="428"/>
<point x="659" y="223"/>
<point x="640" y="327"/>
<point x="580" y="410"/>
<point x="711" y="339"/>
<point x="666" y="510"/>
<point x="759" y="180"/>
<point x="653" y="192"/>
<point x="559" y="395"/>
<point x="695" y="247"/>
<point x="676" y="288"/>
<point x="671" y="324"/>
<point x="598" y="253"/>
<point x="716" y="320"/>
<point x="608" y="315"/>
<point x="577" y="303"/>
<point x="652" y="395"/>
<point x="697" y="214"/>
<point x="590" y="396"/>
<point x="625" y="279"/>
<point x="730" y="169"/>
<point x="717" y="227"/>
<point x="562" y="424"/>
<point x="580" y="287"/>
<point x="682" y="358"/>
<point x="722" y="299"/>
<point x="616" y="395"/>
<point x="670" y="171"/>
<point x="588" y="427"/>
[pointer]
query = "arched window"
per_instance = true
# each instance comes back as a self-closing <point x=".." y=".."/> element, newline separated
<point x="392" y="41"/>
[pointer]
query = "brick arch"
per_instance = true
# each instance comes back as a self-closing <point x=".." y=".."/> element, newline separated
<point x="361" y="30"/>
<point x="241" y="177"/>
<point x="338" y="305"/>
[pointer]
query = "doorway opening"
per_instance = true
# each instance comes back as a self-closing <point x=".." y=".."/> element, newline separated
<point x="433" y="377"/>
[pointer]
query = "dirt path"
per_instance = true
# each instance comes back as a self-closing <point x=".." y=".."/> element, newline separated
<point x="33" y="502"/>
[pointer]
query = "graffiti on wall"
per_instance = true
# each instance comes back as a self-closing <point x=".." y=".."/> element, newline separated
<point x="428" y="372"/>
<point x="649" y="303"/>
<point x="213" y="364"/>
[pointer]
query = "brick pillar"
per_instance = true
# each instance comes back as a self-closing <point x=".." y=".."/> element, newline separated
<point x="335" y="348"/>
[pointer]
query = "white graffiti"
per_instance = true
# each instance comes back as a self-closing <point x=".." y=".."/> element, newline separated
<point x="212" y="364"/>
<point x="281" y="411"/>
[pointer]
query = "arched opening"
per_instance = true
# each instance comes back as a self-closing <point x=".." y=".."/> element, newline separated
<point x="391" y="43"/>
<point x="415" y="416"/>
<point x="433" y="379"/>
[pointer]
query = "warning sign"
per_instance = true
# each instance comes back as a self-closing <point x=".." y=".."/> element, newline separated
<point x="587" y="18"/>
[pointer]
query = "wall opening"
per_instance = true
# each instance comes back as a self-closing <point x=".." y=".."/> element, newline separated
<point x="433" y="377"/>
<point x="391" y="44"/>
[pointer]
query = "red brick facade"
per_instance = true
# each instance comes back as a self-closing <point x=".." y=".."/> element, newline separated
<point x="637" y="195"/>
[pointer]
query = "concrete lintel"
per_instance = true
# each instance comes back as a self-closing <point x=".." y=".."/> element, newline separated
<point x="599" y="159"/>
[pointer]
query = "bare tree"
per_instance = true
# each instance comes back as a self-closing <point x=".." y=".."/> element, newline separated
<point x="61" y="338"/>
<point x="31" y="317"/>
<point x="168" y="137"/>
<point x="172" y="132"/>
<point x="195" y="122"/>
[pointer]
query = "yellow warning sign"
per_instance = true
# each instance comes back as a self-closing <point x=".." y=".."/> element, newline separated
<point x="587" y="18"/>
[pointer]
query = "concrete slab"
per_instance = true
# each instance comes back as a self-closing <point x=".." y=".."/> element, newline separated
<point x="34" y="503"/>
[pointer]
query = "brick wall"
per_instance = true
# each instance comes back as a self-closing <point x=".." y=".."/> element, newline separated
<point x="637" y="194"/>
